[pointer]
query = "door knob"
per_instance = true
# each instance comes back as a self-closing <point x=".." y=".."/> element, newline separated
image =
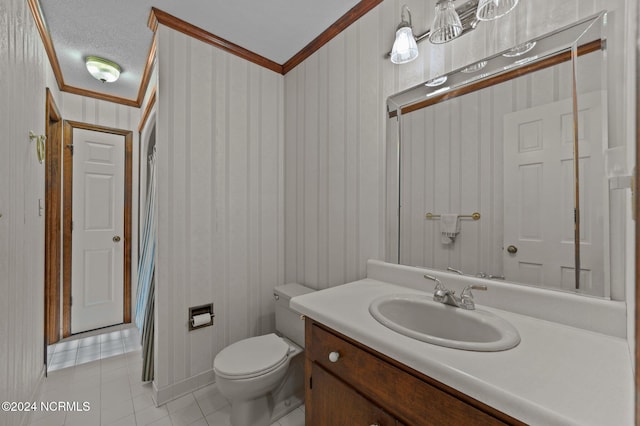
<point x="512" y="249"/>
<point x="116" y="239"/>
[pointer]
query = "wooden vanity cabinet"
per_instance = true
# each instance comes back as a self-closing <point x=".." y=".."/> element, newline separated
<point x="350" y="384"/>
<point x="336" y="403"/>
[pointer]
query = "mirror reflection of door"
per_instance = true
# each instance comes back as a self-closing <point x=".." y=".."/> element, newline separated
<point x="539" y="190"/>
<point x="98" y="227"/>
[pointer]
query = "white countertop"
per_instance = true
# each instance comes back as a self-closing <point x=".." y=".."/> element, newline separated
<point x="557" y="375"/>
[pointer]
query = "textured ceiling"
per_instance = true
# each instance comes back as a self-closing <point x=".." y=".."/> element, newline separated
<point x="117" y="30"/>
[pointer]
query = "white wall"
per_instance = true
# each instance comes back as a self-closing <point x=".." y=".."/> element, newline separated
<point x="335" y="133"/>
<point x="220" y="204"/>
<point x="25" y="73"/>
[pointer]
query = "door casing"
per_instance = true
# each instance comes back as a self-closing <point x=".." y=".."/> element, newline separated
<point x="52" y="197"/>
<point x="68" y="214"/>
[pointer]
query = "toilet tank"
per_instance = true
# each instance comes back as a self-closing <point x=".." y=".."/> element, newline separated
<point x="288" y="322"/>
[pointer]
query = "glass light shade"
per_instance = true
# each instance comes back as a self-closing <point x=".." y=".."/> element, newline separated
<point x="489" y="10"/>
<point x="520" y="50"/>
<point x="438" y="81"/>
<point x="102" y="69"/>
<point x="474" y="67"/>
<point x="405" y="48"/>
<point x="446" y="24"/>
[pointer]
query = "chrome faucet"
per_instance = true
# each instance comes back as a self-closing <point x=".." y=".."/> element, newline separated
<point x="466" y="297"/>
<point x="490" y="276"/>
<point x="448" y="297"/>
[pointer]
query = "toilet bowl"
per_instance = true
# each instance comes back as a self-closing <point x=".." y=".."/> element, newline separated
<point x="251" y="371"/>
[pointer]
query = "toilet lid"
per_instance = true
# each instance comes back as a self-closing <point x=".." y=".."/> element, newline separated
<point x="251" y="357"/>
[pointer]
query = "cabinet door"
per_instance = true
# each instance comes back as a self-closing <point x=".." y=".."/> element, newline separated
<point x="336" y="404"/>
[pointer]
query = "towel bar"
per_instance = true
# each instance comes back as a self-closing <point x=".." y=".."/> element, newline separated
<point x="474" y="216"/>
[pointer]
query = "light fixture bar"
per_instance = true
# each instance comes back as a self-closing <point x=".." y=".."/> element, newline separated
<point x="467" y="14"/>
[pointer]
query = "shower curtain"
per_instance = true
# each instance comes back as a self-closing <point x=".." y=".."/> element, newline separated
<point x="146" y="275"/>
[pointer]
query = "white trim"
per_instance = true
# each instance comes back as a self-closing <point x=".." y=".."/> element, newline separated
<point x="183" y="387"/>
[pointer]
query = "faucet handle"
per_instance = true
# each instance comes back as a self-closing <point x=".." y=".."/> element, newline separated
<point x="457" y="271"/>
<point x="466" y="297"/>
<point x="440" y="292"/>
<point x="432" y="278"/>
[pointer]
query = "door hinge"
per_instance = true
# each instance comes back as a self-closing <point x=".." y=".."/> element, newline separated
<point x="72" y="225"/>
<point x="70" y="147"/>
<point x="310" y="382"/>
<point x="70" y="300"/>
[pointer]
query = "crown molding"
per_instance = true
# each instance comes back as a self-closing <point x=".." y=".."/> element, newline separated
<point x="355" y="13"/>
<point x="158" y="16"/>
<point x="38" y="16"/>
<point x="161" y="17"/>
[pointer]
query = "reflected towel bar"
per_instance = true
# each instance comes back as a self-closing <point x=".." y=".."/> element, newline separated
<point x="474" y="216"/>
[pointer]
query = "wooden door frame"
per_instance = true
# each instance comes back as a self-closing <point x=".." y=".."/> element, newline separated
<point x="69" y="126"/>
<point x="635" y="201"/>
<point x="52" y="235"/>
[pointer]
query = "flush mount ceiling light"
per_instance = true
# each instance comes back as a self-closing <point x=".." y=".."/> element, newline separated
<point x="449" y="23"/>
<point x="405" y="48"/>
<point x="102" y="69"/>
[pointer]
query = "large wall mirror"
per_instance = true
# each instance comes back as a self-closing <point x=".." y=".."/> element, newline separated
<point x="517" y="147"/>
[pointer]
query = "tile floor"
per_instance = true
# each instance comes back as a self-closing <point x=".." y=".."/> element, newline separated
<point x="104" y="370"/>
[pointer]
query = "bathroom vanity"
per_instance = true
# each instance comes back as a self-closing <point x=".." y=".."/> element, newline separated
<point x="349" y="383"/>
<point x="360" y="372"/>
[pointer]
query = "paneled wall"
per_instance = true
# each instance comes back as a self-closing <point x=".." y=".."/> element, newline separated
<point x="335" y="131"/>
<point x="99" y="112"/>
<point x="25" y="72"/>
<point x="220" y="204"/>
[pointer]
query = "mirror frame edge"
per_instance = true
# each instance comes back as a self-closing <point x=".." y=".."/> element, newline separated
<point x="636" y="217"/>
<point x="395" y="107"/>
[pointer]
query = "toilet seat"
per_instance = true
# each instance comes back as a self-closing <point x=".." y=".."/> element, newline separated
<point x="251" y="357"/>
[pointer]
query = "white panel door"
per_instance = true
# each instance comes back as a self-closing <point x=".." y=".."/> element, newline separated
<point x="539" y="195"/>
<point x="98" y="227"/>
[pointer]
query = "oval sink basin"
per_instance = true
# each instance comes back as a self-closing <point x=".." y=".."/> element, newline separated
<point x="421" y="318"/>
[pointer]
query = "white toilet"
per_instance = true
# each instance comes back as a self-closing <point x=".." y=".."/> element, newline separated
<point x="251" y="373"/>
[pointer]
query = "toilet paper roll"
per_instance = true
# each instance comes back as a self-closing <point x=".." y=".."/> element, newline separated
<point x="201" y="319"/>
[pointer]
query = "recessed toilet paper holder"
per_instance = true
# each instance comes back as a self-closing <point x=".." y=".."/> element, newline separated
<point x="196" y="314"/>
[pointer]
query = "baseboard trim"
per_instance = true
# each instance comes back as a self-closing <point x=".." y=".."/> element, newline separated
<point x="168" y="393"/>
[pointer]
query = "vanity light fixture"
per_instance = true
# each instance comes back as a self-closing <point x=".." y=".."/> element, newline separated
<point x="102" y="69"/>
<point x="449" y="23"/>
<point x="438" y="81"/>
<point x="405" y="48"/>
<point x="520" y="50"/>
<point x="488" y="10"/>
<point x="446" y="23"/>
<point x="474" y="67"/>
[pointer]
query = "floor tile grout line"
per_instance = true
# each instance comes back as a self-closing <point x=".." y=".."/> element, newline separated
<point x="128" y="361"/>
